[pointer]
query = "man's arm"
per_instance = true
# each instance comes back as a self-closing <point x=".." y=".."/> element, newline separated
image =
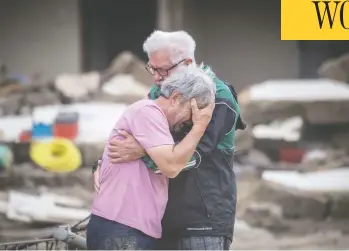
<point x="150" y="128"/>
<point x="172" y="159"/>
<point x="222" y="122"/>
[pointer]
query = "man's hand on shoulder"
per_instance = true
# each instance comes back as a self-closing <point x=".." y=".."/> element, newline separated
<point x="125" y="150"/>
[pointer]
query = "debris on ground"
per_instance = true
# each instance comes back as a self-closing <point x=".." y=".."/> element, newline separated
<point x="319" y="195"/>
<point x="126" y="73"/>
<point x="33" y="201"/>
<point x="297" y="125"/>
<point x="77" y="87"/>
<point x="320" y="101"/>
<point x="279" y="218"/>
<point x="335" y="68"/>
<point x="290" y="162"/>
<point x="43" y="208"/>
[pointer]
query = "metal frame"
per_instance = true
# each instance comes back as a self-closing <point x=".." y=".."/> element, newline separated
<point x="61" y="238"/>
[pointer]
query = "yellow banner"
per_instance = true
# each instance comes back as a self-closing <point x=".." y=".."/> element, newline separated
<point x="314" y="20"/>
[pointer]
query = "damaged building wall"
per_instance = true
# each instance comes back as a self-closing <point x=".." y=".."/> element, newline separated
<point x="250" y="52"/>
<point x="108" y="28"/>
<point x="40" y="36"/>
<point x="241" y="40"/>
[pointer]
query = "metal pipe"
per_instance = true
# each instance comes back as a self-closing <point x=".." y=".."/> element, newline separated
<point x="70" y="238"/>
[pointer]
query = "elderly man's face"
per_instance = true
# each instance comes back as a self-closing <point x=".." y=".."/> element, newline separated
<point x="160" y="61"/>
<point x="161" y="67"/>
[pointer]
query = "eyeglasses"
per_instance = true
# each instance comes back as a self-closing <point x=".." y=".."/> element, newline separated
<point x="162" y="72"/>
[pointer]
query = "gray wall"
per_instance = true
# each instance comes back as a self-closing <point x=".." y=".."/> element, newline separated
<point x="241" y="39"/>
<point x="40" y="36"/>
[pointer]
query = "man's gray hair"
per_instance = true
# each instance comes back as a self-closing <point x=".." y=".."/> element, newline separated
<point x="179" y="44"/>
<point x="191" y="83"/>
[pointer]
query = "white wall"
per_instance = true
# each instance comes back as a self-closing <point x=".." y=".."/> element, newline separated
<point x="40" y="36"/>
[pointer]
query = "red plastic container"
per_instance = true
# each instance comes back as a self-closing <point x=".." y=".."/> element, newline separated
<point x="25" y="136"/>
<point x="66" y="130"/>
<point x="291" y="155"/>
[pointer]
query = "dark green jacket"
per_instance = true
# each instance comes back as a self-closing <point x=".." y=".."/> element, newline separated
<point x="202" y="199"/>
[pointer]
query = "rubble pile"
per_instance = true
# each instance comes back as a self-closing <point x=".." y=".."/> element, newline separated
<point x="320" y="101"/>
<point x="294" y="160"/>
<point x="303" y="123"/>
<point x="34" y="201"/>
<point x="335" y="68"/>
<point x="19" y="97"/>
<point x="293" y="211"/>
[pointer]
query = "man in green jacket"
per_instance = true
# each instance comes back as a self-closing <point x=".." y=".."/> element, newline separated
<point x="200" y="213"/>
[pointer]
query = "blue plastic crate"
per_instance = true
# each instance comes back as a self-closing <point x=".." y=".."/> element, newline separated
<point x="41" y="130"/>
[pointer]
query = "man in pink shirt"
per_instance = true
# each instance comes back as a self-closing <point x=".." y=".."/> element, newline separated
<point x="129" y="206"/>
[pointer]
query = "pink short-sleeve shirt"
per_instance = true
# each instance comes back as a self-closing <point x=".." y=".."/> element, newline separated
<point x="130" y="193"/>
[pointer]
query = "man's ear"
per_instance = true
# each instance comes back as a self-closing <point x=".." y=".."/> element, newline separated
<point x="188" y="61"/>
<point x="175" y="97"/>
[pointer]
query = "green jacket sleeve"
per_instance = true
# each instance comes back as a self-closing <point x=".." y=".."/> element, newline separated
<point x="151" y="164"/>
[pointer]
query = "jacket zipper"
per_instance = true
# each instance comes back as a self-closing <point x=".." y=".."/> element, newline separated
<point x="202" y="197"/>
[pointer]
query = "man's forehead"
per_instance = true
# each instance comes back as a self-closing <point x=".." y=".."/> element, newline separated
<point x="161" y="65"/>
<point x="160" y="59"/>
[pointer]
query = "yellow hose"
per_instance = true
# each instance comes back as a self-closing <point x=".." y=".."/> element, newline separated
<point x="58" y="155"/>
